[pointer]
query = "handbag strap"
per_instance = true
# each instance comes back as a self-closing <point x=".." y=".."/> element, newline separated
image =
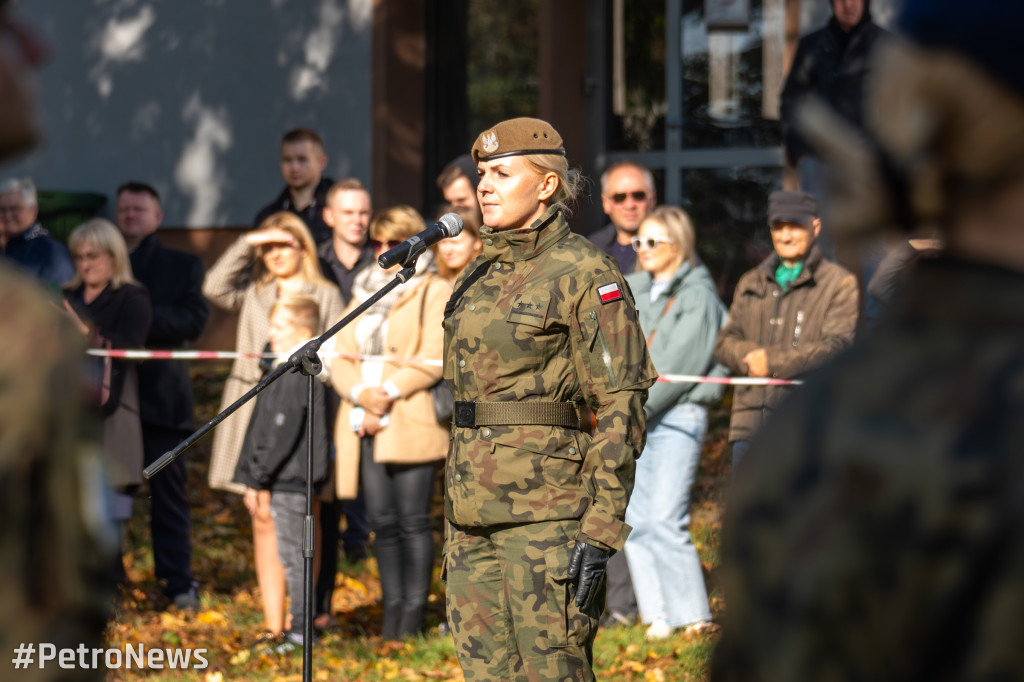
<point x="423" y="312"/>
<point x="663" y="314"/>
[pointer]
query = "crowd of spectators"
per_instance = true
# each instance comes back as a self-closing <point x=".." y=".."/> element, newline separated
<point x="874" y="529"/>
<point x="316" y="242"/>
<point x="310" y="258"/>
<point x="789" y="315"/>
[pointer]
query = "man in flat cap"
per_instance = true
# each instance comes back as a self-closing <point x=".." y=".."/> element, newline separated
<point x="789" y="315"/>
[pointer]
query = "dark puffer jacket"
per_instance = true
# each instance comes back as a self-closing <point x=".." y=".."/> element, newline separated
<point x="274" y="452"/>
<point x="800" y="329"/>
<point x="832" y="65"/>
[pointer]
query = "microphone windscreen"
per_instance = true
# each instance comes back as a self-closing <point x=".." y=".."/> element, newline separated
<point x="452" y="223"/>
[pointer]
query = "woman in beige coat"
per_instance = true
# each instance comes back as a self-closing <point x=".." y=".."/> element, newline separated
<point x="387" y="431"/>
<point x="277" y="260"/>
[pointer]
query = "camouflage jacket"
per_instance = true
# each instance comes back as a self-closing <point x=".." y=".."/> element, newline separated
<point x="56" y="542"/>
<point x="875" y="530"/>
<point x="543" y="315"/>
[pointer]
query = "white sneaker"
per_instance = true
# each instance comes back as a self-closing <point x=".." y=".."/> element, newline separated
<point x="658" y="630"/>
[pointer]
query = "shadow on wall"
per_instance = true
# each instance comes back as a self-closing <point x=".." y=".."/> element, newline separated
<point x="193" y="97"/>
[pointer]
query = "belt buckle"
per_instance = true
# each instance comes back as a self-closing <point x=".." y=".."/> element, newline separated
<point x="465" y="414"/>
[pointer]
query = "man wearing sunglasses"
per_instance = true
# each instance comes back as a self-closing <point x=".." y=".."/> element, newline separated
<point x="627" y="196"/>
<point x="788" y="316"/>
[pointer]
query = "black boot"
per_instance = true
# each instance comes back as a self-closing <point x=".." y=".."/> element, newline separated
<point x="393" y="618"/>
<point x="412" y="621"/>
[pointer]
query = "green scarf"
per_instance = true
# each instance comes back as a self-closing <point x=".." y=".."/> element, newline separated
<point x="785" y="275"/>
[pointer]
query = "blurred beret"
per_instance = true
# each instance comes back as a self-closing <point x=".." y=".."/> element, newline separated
<point x="791" y="207"/>
<point x="515" y="137"/>
<point x="985" y="31"/>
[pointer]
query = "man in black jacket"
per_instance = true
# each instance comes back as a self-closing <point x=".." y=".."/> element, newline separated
<point x="347" y="211"/>
<point x="833" y="64"/>
<point x="175" y="281"/>
<point x="24" y="241"/>
<point x="302" y="165"/>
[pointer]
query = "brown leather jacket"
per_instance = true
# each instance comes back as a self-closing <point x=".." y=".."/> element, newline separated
<point x="800" y="329"/>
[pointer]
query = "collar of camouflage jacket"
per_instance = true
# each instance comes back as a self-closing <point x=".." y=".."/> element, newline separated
<point x="515" y="245"/>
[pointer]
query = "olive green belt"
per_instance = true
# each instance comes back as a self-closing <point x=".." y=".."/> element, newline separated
<point x="472" y="415"/>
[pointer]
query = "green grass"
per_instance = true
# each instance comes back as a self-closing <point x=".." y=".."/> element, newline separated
<point x="231" y="617"/>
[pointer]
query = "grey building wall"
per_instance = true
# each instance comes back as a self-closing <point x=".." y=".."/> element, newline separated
<point x="192" y="96"/>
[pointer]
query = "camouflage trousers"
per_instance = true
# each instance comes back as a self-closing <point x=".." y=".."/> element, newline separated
<point x="510" y="603"/>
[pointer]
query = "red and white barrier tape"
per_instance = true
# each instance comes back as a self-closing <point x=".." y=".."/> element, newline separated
<point x="728" y="381"/>
<point x="138" y="354"/>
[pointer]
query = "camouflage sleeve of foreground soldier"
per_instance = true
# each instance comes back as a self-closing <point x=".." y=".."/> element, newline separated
<point x="615" y="372"/>
<point x="56" y="547"/>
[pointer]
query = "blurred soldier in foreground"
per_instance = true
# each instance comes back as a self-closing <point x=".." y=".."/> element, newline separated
<point x="878" y="530"/>
<point x="52" y="554"/>
<point x="22" y="50"/>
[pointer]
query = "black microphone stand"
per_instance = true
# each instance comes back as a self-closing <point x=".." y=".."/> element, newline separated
<point x="307" y="361"/>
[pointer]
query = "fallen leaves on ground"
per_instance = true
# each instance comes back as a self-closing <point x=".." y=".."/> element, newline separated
<point x="231" y="618"/>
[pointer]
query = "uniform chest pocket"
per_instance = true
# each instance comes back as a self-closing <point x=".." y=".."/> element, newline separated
<point x="530" y="309"/>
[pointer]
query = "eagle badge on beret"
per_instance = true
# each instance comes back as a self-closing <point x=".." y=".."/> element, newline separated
<point x="490" y="142"/>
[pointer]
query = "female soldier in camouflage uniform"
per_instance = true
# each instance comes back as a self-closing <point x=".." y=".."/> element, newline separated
<point x="539" y="323"/>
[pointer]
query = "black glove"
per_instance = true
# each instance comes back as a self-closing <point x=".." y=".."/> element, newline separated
<point x="589" y="564"/>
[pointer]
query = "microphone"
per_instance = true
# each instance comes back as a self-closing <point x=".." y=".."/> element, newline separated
<point x="408" y="251"/>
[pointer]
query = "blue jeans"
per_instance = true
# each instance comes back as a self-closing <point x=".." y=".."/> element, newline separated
<point x="667" y="575"/>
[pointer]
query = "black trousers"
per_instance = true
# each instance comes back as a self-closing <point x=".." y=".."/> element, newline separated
<point x="171" y="521"/>
<point x="398" y="509"/>
<point x="621" y="597"/>
<point x="354" y="540"/>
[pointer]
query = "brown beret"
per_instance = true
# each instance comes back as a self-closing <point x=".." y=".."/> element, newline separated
<point x="515" y="137"/>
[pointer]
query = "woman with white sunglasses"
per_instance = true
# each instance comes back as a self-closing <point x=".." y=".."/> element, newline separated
<point x="680" y="314"/>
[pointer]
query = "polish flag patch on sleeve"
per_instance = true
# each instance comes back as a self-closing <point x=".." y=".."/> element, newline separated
<point x="609" y="293"/>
